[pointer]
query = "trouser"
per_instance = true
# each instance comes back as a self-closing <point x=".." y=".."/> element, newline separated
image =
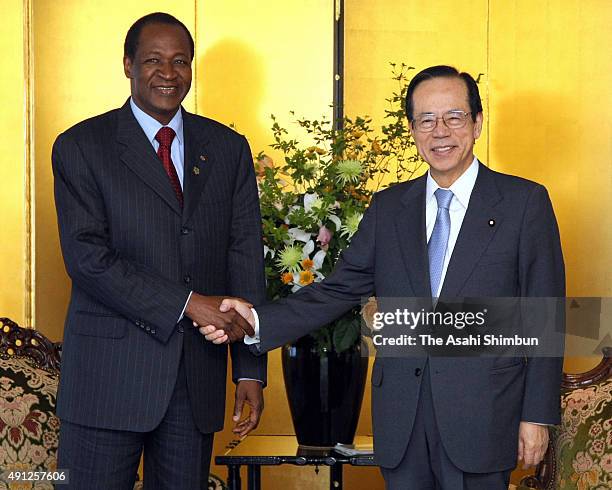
<point x="426" y="465"/>
<point x="176" y="454"/>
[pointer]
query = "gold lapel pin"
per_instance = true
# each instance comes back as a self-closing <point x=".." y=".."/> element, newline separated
<point x="203" y="158"/>
<point x="491" y="222"/>
<point x="196" y="170"/>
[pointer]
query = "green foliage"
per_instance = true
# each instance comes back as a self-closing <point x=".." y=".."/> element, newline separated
<point x="316" y="196"/>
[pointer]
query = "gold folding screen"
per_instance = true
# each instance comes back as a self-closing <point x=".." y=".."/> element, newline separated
<point x="545" y="85"/>
<point x="13" y="165"/>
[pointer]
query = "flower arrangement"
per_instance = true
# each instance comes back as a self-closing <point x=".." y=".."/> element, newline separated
<point x="313" y="201"/>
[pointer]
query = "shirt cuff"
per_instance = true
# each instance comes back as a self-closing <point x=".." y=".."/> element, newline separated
<point x="250" y="379"/>
<point x="255" y="339"/>
<point x="184" y="307"/>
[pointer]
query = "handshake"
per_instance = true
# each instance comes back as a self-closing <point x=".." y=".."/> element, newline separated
<point x="221" y="319"/>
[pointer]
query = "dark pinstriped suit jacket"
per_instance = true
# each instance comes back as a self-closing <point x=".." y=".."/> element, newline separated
<point x="478" y="402"/>
<point x="133" y="256"/>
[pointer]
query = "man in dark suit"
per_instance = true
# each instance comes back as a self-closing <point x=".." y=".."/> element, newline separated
<point x="461" y="230"/>
<point x="159" y="220"/>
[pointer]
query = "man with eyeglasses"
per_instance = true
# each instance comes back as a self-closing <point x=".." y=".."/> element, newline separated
<point x="461" y="230"/>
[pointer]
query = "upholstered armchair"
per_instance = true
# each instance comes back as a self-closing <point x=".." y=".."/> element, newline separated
<point x="580" y="450"/>
<point x="29" y="428"/>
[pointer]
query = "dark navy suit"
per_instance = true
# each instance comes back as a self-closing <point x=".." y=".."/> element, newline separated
<point x="134" y="255"/>
<point x="477" y="403"/>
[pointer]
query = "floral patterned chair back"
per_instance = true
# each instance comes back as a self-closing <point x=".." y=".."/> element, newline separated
<point x="29" y="374"/>
<point x="579" y="455"/>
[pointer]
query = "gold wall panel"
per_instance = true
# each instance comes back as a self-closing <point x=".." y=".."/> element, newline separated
<point x="414" y="32"/>
<point x="255" y="59"/>
<point x="551" y="121"/>
<point x="260" y="58"/>
<point x="13" y="244"/>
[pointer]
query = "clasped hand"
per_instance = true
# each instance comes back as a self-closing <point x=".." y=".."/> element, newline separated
<point x="221" y="319"/>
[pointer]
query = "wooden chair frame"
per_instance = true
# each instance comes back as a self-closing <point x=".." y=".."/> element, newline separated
<point x="27" y="342"/>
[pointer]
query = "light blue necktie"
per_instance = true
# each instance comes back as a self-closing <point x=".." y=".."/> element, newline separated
<point x="439" y="239"/>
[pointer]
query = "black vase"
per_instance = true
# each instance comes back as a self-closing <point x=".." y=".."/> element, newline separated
<point x="325" y="391"/>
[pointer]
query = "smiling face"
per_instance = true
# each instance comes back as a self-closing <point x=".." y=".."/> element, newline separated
<point x="160" y="73"/>
<point x="449" y="152"/>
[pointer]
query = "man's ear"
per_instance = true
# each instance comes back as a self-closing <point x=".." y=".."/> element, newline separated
<point x="478" y="125"/>
<point x="127" y="67"/>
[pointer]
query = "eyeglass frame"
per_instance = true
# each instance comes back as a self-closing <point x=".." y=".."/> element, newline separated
<point x="455" y="111"/>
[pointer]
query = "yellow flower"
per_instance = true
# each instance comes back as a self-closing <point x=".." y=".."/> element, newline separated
<point x="264" y="162"/>
<point x="306" y="277"/>
<point x="287" y="278"/>
<point x="376" y="148"/>
<point x="307" y="264"/>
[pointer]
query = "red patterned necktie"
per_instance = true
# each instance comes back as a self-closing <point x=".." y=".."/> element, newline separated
<point x="165" y="136"/>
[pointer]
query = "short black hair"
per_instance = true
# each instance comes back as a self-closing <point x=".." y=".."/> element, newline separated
<point x="444" y="71"/>
<point x="133" y="35"/>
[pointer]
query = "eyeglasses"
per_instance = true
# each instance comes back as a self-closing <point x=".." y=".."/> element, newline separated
<point x="453" y="120"/>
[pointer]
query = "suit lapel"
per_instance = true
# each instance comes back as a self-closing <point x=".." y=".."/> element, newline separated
<point x="411" y="233"/>
<point x="198" y="162"/>
<point x="138" y="154"/>
<point x="479" y="226"/>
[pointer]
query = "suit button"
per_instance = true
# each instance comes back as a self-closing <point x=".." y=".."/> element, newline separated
<point x="147" y="328"/>
<point x="180" y="329"/>
<point x="417" y="372"/>
<point x="153" y="331"/>
<point x="187" y="279"/>
<point x="185" y="230"/>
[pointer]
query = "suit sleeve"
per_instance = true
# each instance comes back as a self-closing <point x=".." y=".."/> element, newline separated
<point x="245" y="260"/>
<point x="316" y="305"/>
<point x="542" y="274"/>
<point x="128" y="288"/>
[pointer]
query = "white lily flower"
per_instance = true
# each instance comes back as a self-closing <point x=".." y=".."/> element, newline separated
<point x="318" y="259"/>
<point x="299" y="235"/>
<point x="308" y="249"/>
<point x="336" y="221"/>
<point x="268" y="250"/>
<point x="309" y="200"/>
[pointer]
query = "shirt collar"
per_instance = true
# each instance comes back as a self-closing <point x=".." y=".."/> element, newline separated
<point x="151" y="126"/>
<point x="461" y="188"/>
